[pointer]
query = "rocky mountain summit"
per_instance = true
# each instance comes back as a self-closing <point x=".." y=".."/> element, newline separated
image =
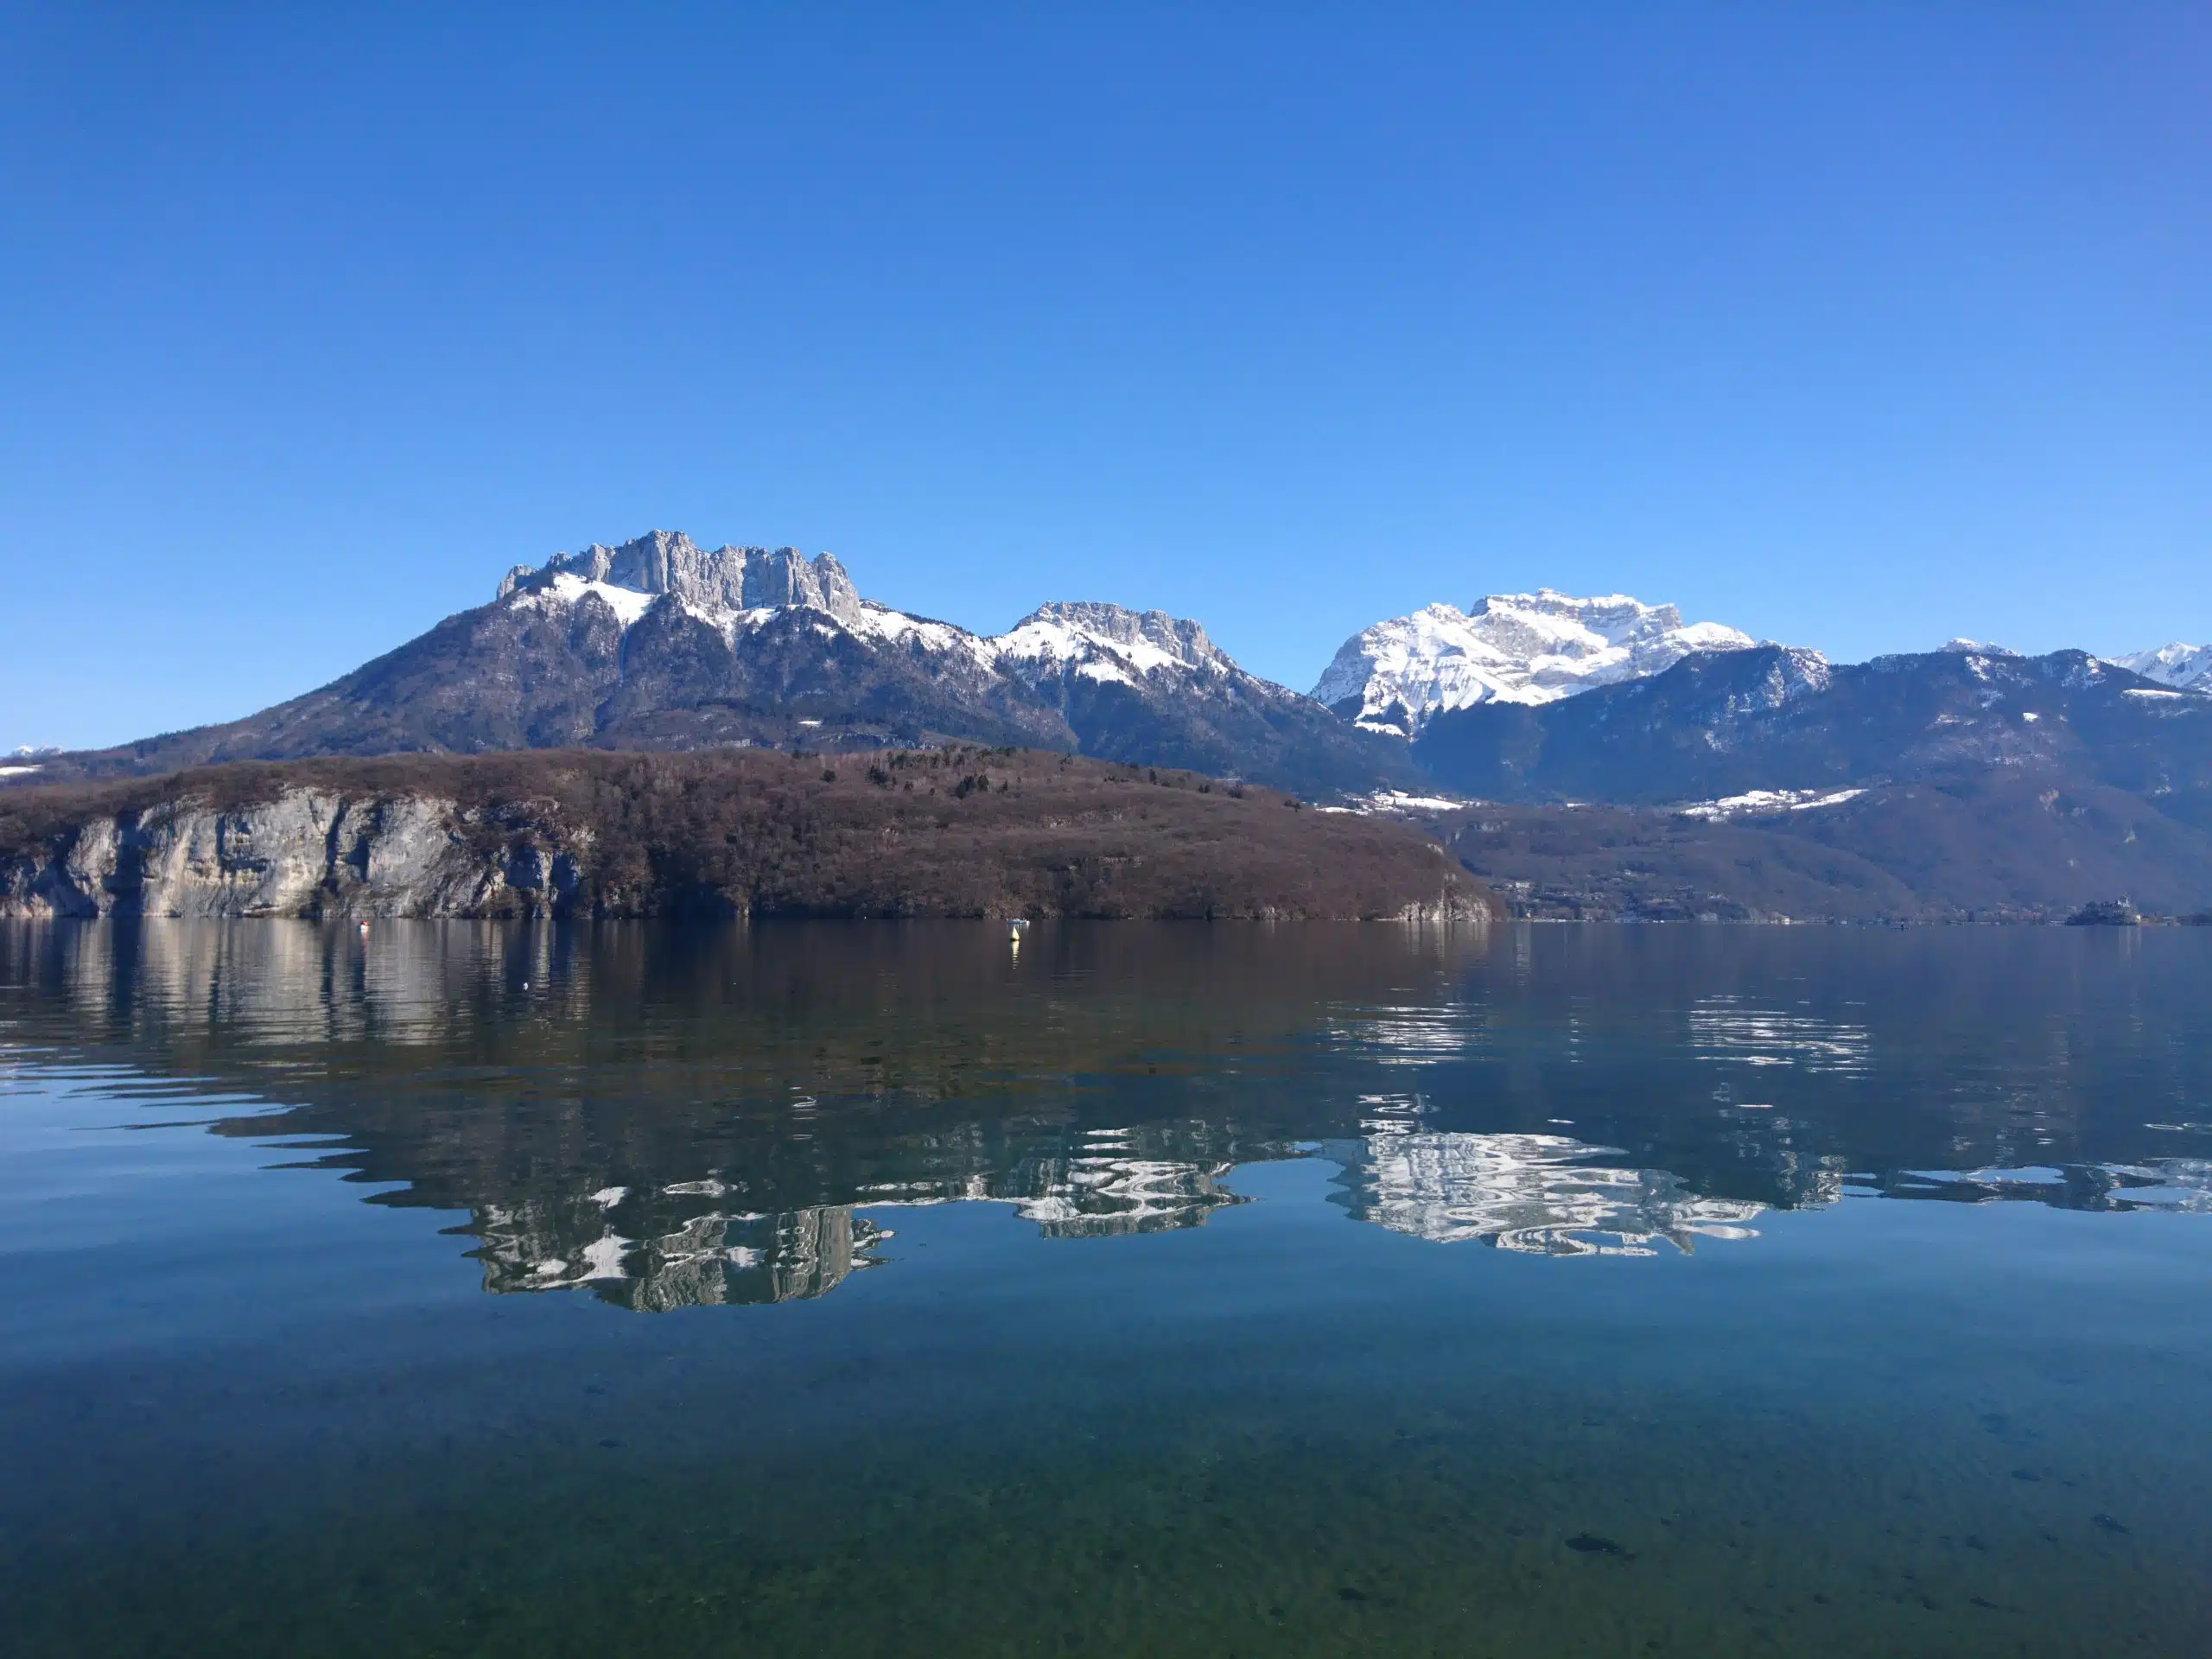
<point x="658" y="644"/>
<point x="2183" y="667"/>
<point x="728" y="580"/>
<point x="1513" y="648"/>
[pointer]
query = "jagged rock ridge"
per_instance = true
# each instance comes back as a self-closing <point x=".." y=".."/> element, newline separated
<point x="727" y="579"/>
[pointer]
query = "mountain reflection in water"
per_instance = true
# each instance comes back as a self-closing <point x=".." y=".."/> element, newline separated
<point x="673" y="1117"/>
<point x="1536" y="1193"/>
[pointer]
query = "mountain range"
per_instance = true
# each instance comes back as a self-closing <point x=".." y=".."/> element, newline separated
<point x="658" y="644"/>
<point x="1781" y="718"/>
<point x="1542" y="700"/>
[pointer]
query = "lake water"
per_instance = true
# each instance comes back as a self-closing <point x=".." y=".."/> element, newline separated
<point x="1232" y="1289"/>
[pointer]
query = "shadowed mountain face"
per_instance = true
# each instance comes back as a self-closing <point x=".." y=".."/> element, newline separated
<point x="1720" y="724"/>
<point x="1961" y="784"/>
<point x="658" y="644"/>
<point x="675" y="1116"/>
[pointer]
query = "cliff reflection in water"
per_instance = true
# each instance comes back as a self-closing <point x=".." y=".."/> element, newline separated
<point x="673" y="1117"/>
<point x="692" y="1250"/>
<point x="714" y="1260"/>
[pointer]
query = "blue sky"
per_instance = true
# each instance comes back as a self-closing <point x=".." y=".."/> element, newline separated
<point x="1858" y="327"/>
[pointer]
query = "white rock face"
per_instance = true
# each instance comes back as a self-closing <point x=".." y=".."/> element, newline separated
<point x="302" y="854"/>
<point x="265" y="861"/>
<point x="727" y="581"/>
<point x="1527" y="648"/>
<point x="2186" y="668"/>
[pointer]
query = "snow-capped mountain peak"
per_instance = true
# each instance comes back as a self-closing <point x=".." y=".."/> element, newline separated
<point x="2186" y="668"/>
<point x="1526" y="648"/>
<point x="739" y="589"/>
<point x="1073" y="634"/>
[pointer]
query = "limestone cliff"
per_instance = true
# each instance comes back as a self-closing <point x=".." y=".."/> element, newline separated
<point x="303" y="853"/>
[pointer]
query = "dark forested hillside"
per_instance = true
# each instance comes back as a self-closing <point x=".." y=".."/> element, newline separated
<point x="1996" y="844"/>
<point x="950" y="832"/>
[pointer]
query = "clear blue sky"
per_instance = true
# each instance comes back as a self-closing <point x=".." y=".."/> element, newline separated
<point x="1858" y="326"/>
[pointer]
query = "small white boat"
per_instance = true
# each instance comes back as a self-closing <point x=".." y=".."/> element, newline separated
<point x="1015" y="927"/>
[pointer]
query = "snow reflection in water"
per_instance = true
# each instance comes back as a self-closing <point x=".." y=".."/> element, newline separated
<point x="1410" y="1036"/>
<point x="1727" y="1028"/>
<point x="1109" y="1188"/>
<point x="1536" y="1193"/>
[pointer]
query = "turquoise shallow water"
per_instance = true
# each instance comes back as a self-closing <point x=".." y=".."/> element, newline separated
<point x="479" y="1289"/>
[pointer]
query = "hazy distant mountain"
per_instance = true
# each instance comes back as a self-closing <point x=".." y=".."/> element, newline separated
<point x="1511" y="648"/>
<point x="1720" y="724"/>
<point x="658" y="644"/>
<point x="1987" y="843"/>
<point x="2184" y="667"/>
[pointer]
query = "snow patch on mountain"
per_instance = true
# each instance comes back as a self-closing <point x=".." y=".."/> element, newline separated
<point x="1768" y="800"/>
<point x="565" y="590"/>
<point x="2186" y="668"/>
<point x="1388" y="802"/>
<point x="24" y="760"/>
<point x="881" y="624"/>
<point x="1523" y="648"/>
<point x="1074" y="633"/>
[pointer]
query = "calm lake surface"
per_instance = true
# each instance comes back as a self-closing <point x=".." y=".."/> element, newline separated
<point x="1233" y="1289"/>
